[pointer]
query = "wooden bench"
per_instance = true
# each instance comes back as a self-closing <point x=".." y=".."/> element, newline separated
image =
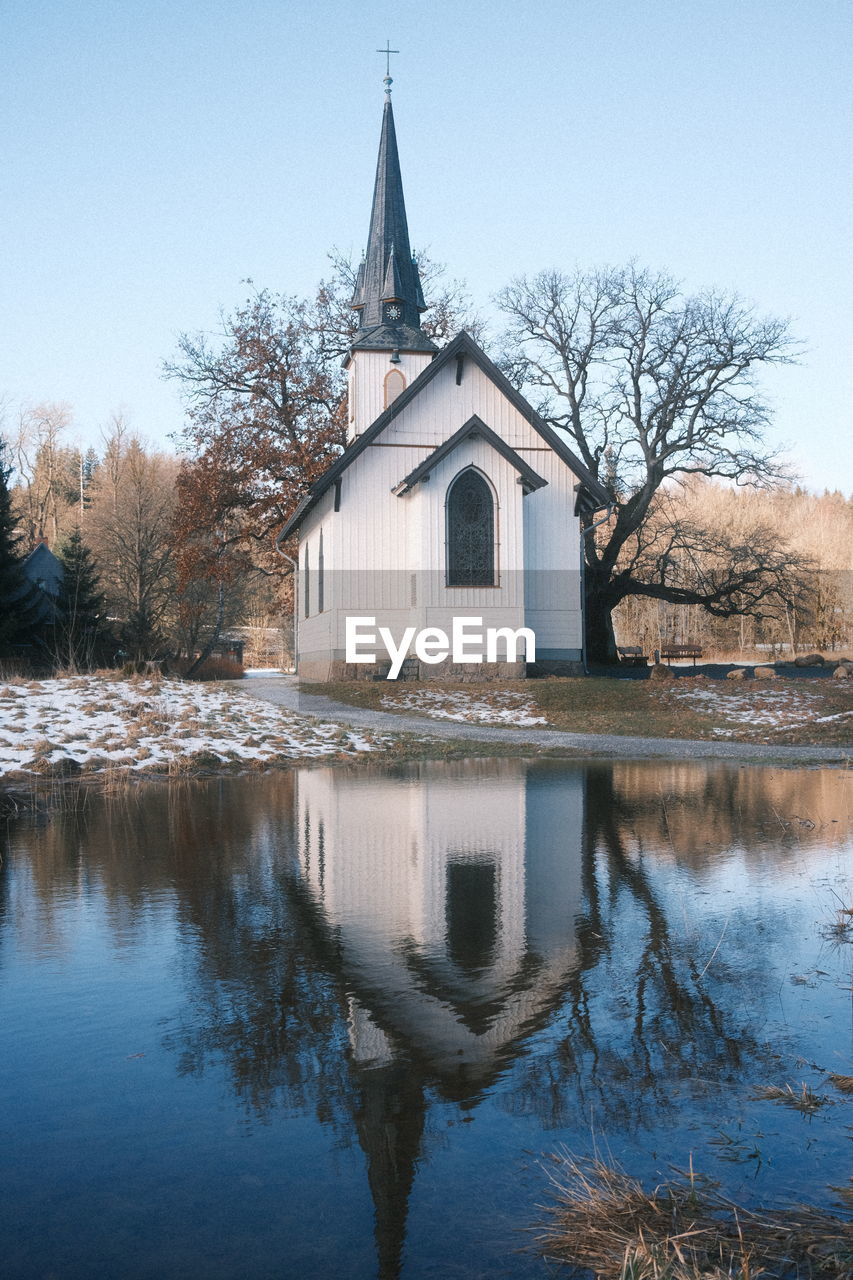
<point x="670" y="651"/>
<point x="631" y="655"/>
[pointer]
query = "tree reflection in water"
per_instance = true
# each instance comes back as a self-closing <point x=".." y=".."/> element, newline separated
<point x="357" y="942"/>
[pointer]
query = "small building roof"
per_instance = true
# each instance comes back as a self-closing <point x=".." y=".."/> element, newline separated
<point x="43" y="569"/>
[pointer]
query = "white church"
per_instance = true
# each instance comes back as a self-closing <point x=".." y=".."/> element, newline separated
<point x="454" y="508"/>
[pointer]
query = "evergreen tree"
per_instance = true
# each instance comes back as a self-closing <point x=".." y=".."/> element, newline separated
<point x="81" y="633"/>
<point x="19" y="600"/>
<point x="89" y="464"/>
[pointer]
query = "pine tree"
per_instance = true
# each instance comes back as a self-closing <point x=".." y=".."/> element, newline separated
<point x="19" y="600"/>
<point x="89" y="464"/>
<point x="81" y="632"/>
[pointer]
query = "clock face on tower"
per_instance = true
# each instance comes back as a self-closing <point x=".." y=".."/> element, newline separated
<point x="393" y="312"/>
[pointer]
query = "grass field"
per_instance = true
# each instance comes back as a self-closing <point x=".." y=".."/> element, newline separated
<point x="797" y="710"/>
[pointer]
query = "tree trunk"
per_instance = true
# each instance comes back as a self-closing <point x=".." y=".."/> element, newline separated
<point x="214" y="639"/>
<point x="600" y="638"/>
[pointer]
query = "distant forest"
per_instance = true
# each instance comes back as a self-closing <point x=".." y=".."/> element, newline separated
<point x="156" y="596"/>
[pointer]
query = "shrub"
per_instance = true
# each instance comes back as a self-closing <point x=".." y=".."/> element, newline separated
<point x="214" y="668"/>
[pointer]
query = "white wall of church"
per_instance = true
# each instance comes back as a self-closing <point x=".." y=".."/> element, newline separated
<point x="366" y="383"/>
<point x="385" y="555"/>
<point x="386" y="846"/>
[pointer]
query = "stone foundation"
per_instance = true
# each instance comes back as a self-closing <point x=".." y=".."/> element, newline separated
<point x="318" y="670"/>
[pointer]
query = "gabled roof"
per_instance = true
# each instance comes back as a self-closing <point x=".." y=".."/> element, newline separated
<point x="43" y="568"/>
<point x="473" y="428"/>
<point x="463" y="347"/>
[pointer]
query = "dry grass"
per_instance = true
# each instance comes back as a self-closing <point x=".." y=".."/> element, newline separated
<point x="843" y="1083"/>
<point x="642" y="708"/>
<point x="841" y="928"/>
<point x="803" y="1099"/>
<point x="685" y="1229"/>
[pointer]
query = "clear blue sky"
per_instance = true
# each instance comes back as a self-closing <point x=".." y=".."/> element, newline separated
<point x="156" y="154"/>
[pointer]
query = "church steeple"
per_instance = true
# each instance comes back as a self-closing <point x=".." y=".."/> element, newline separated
<point x="388" y="295"/>
<point x="390" y="348"/>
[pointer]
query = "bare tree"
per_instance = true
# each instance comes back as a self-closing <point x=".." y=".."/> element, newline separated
<point x="46" y="471"/>
<point x="115" y="437"/>
<point x="130" y="531"/>
<point x="266" y="399"/>
<point x="653" y="387"/>
<point x="809" y="535"/>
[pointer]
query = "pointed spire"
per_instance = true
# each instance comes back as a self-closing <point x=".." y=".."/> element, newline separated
<point x="392" y="289"/>
<point x="358" y="291"/>
<point x="388" y="292"/>
<point x="419" y="300"/>
<point x="390" y="1125"/>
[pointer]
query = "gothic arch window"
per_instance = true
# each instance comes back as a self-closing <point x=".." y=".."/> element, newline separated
<point x="470" y="531"/>
<point x="394" y="384"/>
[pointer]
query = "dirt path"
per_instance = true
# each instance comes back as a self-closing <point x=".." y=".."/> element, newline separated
<point x="283" y="691"/>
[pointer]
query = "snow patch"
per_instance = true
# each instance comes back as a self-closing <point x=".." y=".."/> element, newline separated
<point x="498" y="707"/>
<point x="760" y="707"/>
<point x="153" y="725"/>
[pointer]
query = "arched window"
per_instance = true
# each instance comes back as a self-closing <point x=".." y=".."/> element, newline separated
<point x="470" y="532"/>
<point x="307" y="592"/>
<point x="394" y="384"/>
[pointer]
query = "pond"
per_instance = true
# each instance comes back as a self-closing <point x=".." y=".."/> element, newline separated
<point x="334" y="1021"/>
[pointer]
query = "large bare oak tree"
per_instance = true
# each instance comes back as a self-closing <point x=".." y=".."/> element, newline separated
<point x="653" y="387"/>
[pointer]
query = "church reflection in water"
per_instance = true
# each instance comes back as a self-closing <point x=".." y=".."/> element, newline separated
<point x="494" y="928"/>
<point x="468" y="907"/>
<point x="452" y="895"/>
<point x="452" y="900"/>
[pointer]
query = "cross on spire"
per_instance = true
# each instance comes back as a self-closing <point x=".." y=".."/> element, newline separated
<point x="388" y="51"/>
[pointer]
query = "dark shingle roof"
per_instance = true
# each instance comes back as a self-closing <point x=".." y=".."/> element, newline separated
<point x="392" y="337"/>
<point x="389" y="271"/>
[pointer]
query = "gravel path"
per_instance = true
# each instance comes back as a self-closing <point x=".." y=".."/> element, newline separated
<point x="283" y="691"/>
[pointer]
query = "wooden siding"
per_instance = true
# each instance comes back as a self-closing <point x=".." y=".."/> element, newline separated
<point x="367" y="373"/>
<point x="385" y="555"/>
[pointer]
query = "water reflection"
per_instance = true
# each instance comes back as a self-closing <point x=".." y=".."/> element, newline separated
<point x="452" y="897"/>
<point x="364" y="945"/>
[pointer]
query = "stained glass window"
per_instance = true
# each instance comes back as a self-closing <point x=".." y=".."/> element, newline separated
<point x="470" y="532"/>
